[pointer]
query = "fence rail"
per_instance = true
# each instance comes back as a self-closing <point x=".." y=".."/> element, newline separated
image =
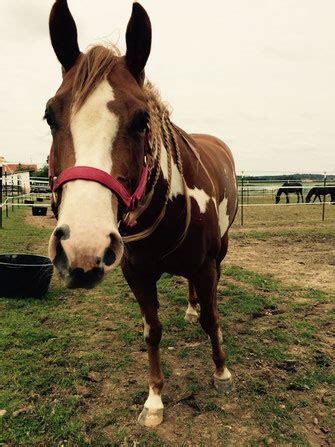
<point x="268" y="192"/>
<point x="254" y="192"/>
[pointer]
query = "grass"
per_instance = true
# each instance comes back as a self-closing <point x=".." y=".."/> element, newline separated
<point x="74" y="368"/>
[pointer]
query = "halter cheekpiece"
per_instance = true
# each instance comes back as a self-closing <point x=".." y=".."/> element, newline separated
<point x="130" y="201"/>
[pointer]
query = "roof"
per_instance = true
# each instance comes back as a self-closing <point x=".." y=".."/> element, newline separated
<point x="11" y="168"/>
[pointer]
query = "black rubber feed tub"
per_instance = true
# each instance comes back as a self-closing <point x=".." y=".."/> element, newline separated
<point x="24" y="275"/>
<point x="39" y="210"/>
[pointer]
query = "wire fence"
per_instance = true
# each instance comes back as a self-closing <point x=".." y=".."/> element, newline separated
<point x="304" y="198"/>
<point x="12" y="195"/>
<point x="263" y="199"/>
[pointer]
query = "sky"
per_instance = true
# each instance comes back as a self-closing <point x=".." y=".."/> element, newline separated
<point x="259" y="74"/>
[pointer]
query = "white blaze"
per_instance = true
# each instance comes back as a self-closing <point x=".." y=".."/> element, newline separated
<point x="86" y="205"/>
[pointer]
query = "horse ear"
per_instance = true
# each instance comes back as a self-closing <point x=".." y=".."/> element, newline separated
<point x="63" y="34"/>
<point x="138" y="39"/>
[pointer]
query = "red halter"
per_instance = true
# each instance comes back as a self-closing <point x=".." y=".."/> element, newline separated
<point x="97" y="175"/>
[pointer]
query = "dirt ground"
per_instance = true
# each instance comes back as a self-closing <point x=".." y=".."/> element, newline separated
<point x="269" y="382"/>
<point x="303" y="261"/>
<point x="306" y="262"/>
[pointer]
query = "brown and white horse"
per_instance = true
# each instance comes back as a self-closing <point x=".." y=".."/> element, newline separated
<point x="131" y="188"/>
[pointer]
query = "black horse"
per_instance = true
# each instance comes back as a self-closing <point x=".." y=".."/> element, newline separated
<point x="289" y="188"/>
<point x="318" y="191"/>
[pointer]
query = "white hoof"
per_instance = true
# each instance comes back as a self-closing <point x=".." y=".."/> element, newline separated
<point x="224" y="382"/>
<point x="151" y="418"/>
<point x="191" y="315"/>
<point x="191" y="318"/>
<point x="223" y="386"/>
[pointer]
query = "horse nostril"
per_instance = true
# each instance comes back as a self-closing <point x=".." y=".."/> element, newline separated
<point x="60" y="260"/>
<point x="62" y="232"/>
<point x="109" y="257"/>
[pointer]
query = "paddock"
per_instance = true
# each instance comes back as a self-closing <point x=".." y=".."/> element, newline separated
<point x="74" y="369"/>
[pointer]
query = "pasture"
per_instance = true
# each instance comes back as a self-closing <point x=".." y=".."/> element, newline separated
<point x="74" y="369"/>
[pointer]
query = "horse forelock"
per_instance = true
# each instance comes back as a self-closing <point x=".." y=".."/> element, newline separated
<point x="92" y="68"/>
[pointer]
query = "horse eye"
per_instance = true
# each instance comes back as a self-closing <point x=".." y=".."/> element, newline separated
<point x="50" y="118"/>
<point x="140" y="122"/>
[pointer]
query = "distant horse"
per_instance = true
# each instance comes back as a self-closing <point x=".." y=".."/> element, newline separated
<point x="132" y="188"/>
<point x="318" y="191"/>
<point x="290" y="188"/>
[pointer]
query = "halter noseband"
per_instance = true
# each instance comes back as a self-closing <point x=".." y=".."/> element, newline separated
<point x="131" y="201"/>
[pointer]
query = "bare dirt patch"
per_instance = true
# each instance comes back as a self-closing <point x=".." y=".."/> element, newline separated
<point x="306" y="262"/>
<point x="45" y="222"/>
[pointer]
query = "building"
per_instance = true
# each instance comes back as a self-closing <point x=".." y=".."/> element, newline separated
<point x="12" y="168"/>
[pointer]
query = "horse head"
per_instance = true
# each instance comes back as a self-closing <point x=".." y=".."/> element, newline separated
<point x="309" y="195"/>
<point x="279" y="193"/>
<point x="98" y="120"/>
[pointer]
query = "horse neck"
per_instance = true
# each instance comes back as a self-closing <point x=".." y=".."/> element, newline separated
<point x="279" y="193"/>
<point x="166" y="179"/>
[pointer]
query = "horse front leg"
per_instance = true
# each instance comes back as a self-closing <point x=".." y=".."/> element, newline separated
<point x="205" y="282"/>
<point x="145" y="292"/>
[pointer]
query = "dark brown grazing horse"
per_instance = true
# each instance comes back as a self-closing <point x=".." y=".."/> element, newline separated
<point x="131" y="188"/>
<point x="290" y="188"/>
<point x="318" y="191"/>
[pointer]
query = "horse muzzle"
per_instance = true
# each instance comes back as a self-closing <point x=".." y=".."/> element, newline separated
<point x="83" y="262"/>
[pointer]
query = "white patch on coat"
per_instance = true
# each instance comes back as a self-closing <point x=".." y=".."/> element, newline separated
<point x="201" y="197"/>
<point x="177" y="189"/>
<point x="146" y="328"/>
<point x="86" y="205"/>
<point x="223" y="216"/>
<point x="226" y="375"/>
<point x="154" y="401"/>
<point x="176" y="180"/>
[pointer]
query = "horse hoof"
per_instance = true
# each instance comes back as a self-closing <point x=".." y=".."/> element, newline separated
<point x="223" y="386"/>
<point x="191" y="318"/>
<point x="150" y="418"/>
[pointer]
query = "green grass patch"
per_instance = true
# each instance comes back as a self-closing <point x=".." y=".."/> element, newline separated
<point x="73" y="370"/>
<point x="261" y="282"/>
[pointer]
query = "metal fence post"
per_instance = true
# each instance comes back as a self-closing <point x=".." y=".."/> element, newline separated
<point x="6" y="193"/>
<point x="324" y="196"/>
<point x="242" y="199"/>
<point x="12" y="193"/>
<point x="0" y="195"/>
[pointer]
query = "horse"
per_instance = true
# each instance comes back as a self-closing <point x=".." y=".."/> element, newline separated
<point x="318" y="191"/>
<point x="288" y="188"/>
<point x="131" y="188"/>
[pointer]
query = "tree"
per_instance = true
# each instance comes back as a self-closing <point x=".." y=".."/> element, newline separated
<point x="42" y="172"/>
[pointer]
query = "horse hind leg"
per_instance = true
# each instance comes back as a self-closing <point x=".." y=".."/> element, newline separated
<point x="191" y="314"/>
<point x="205" y="284"/>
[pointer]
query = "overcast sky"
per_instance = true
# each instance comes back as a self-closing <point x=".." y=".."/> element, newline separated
<point x="260" y="74"/>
